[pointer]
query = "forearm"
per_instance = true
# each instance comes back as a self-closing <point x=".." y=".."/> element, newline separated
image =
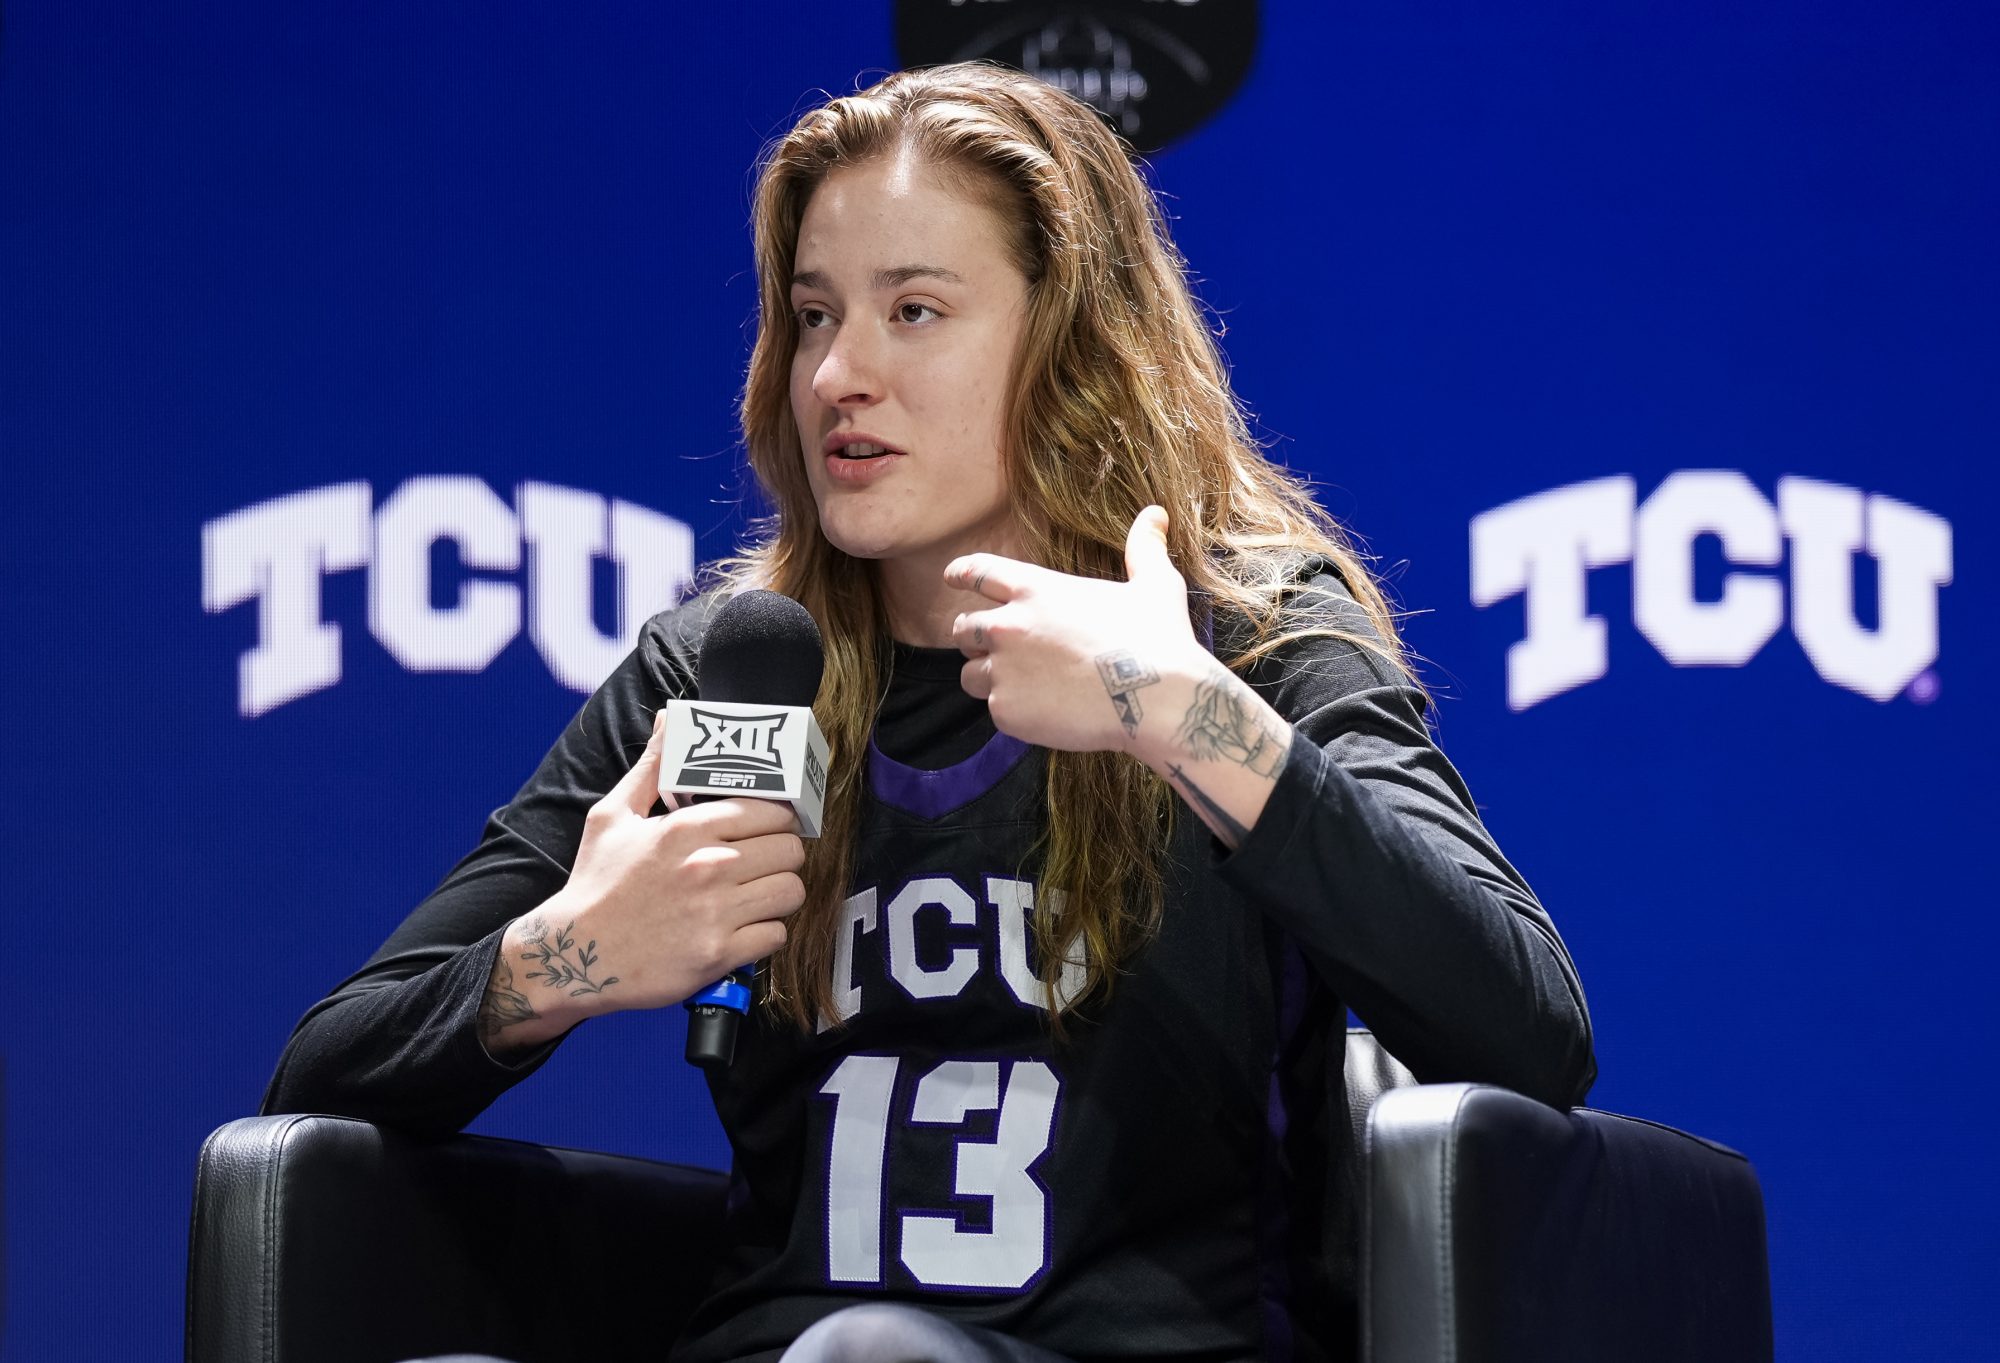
<point x="542" y="984"/>
<point x="1369" y="858"/>
<point x="1214" y="740"/>
<point x="1341" y="819"/>
<point x="404" y="1052"/>
<point x="1369" y="870"/>
<point x="406" y="1039"/>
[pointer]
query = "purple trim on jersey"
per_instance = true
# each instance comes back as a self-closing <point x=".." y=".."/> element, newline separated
<point x="1275" y="1224"/>
<point x="934" y="794"/>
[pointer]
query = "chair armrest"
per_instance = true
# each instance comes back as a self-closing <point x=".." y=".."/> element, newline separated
<point x="1500" y="1229"/>
<point x="316" y="1239"/>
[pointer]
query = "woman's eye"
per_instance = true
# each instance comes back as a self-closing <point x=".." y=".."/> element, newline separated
<point x="811" y="318"/>
<point x="912" y="312"/>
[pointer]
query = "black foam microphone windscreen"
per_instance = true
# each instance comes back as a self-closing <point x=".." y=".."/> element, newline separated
<point x="761" y="648"/>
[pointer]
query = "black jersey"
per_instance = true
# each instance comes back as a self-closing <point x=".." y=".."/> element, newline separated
<point x="1111" y="1195"/>
<point x="1156" y="1184"/>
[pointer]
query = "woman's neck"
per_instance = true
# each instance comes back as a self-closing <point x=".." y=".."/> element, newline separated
<point x="921" y="609"/>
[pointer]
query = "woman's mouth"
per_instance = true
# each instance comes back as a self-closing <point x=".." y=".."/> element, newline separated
<point x="856" y="460"/>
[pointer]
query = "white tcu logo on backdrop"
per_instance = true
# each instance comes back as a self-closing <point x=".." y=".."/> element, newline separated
<point x="277" y="551"/>
<point x="1546" y="544"/>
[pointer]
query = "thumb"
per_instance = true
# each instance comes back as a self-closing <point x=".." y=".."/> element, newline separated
<point x="640" y="787"/>
<point x="1146" y="546"/>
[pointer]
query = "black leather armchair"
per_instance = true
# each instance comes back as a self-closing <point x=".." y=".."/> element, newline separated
<point x="1494" y="1228"/>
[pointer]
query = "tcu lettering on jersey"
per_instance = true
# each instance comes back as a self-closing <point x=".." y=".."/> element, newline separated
<point x="277" y="552"/>
<point x="894" y="932"/>
<point x="1545" y="546"/>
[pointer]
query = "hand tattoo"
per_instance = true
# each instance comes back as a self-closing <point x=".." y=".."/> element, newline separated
<point x="557" y="970"/>
<point x="1223" y="725"/>
<point x="504" y="1005"/>
<point x="1123" y="675"/>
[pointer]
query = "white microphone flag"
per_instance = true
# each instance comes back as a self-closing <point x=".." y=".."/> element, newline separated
<point x="771" y="752"/>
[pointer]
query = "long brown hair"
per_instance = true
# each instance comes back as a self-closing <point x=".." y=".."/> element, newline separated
<point x="1119" y="398"/>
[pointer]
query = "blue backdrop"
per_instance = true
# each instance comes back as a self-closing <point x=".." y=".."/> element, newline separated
<point x="426" y="322"/>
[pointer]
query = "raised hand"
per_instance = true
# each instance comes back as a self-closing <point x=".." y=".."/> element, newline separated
<point x="1063" y="661"/>
<point x="1088" y="666"/>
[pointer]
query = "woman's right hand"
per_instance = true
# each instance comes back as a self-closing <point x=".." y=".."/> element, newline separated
<point x="655" y="909"/>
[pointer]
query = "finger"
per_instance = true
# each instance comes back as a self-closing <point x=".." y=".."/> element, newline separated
<point x="1146" y="554"/>
<point x="778" y="895"/>
<point x="638" y="788"/>
<point x="977" y="678"/>
<point x="755" y="942"/>
<point x="768" y="855"/>
<point x="993" y="576"/>
<point x="736" y="819"/>
<point x="973" y="631"/>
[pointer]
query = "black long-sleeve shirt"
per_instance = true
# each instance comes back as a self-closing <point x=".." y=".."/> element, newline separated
<point x="1153" y="1186"/>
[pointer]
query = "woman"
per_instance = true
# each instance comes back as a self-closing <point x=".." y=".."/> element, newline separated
<point x="1132" y="797"/>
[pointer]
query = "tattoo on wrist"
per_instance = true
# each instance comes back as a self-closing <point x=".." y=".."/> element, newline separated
<point x="1123" y="675"/>
<point x="563" y="966"/>
<point x="1217" y="818"/>
<point x="504" y="1005"/>
<point x="1223" y="724"/>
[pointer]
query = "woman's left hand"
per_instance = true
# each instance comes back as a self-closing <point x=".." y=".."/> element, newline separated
<point x="1065" y="662"/>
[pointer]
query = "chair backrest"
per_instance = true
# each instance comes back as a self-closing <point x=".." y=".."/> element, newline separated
<point x="1371" y="1071"/>
<point x="326" y="1240"/>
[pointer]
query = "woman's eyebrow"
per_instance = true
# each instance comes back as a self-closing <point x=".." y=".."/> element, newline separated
<point x="893" y="277"/>
<point x="903" y="274"/>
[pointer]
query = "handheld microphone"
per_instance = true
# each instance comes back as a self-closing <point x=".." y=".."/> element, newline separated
<point x="752" y="732"/>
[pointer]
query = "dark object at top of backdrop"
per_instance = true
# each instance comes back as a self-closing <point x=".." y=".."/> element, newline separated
<point x="1156" y="69"/>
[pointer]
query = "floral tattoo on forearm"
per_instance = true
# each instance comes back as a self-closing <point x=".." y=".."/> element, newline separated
<point x="1123" y="675"/>
<point x="1223" y="725"/>
<point x="558" y="969"/>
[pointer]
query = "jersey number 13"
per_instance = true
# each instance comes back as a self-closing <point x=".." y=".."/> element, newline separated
<point x="935" y="1249"/>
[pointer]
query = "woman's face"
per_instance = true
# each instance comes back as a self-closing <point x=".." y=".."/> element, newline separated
<point x="910" y="312"/>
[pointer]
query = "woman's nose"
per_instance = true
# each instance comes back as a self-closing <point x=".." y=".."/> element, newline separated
<point x="850" y="371"/>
